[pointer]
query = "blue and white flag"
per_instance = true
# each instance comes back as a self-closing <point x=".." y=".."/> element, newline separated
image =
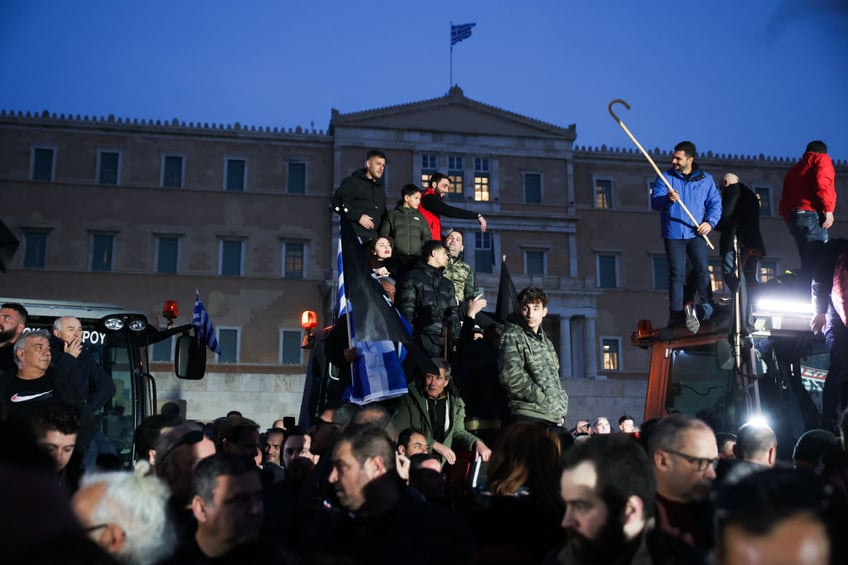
<point x="460" y="32"/>
<point x="203" y="325"/>
<point x="376" y="329"/>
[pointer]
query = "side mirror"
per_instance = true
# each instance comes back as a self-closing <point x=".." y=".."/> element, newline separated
<point x="190" y="358"/>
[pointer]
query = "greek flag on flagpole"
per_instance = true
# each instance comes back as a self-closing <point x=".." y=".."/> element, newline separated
<point x="203" y="325"/>
<point x="460" y="32"/>
<point x="342" y="298"/>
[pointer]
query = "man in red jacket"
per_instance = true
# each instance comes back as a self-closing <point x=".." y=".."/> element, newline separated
<point x="809" y="198"/>
<point x="433" y="206"/>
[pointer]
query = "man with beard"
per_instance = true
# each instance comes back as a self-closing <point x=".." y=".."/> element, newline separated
<point x="433" y="206"/>
<point x="13" y="317"/>
<point x="684" y="453"/>
<point x="361" y="197"/>
<point x="608" y="489"/>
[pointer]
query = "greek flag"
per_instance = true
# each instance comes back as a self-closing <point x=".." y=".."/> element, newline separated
<point x="376" y="329"/>
<point x="203" y="325"/>
<point x="460" y="32"/>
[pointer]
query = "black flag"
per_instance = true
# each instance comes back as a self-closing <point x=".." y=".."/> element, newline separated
<point x="507" y="296"/>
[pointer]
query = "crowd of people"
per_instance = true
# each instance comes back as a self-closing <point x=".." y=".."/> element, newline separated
<point x="473" y="463"/>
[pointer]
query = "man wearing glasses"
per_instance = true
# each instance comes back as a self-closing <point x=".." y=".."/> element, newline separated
<point x="684" y="453"/>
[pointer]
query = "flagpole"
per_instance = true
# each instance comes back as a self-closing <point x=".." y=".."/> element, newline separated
<point x="451" y="57"/>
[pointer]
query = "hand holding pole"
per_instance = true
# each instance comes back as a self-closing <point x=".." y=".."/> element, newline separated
<point x="654" y="165"/>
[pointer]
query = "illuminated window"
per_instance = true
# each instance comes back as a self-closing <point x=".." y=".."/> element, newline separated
<point x="481" y="179"/>
<point x="610" y="347"/>
<point x="428" y="167"/>
<point x="767" y="271"/>
<point x="716" y="278"/>
<point x="456" y="173"/>
<point x="603" y="194"/>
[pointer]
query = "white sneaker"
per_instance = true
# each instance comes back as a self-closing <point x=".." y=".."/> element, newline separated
<point x="692" y="323"/>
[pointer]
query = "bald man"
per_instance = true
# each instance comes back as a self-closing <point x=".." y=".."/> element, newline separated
<point x="740" y="217"/>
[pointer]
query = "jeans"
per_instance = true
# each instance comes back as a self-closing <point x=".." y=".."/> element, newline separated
<point x="805" y="227"/>
<point x="676" y="251"/>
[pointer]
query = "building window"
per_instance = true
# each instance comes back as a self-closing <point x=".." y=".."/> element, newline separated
<point x="35" y="249"/>
<point x="172" y="171"/>
<point x="603" y="194"/>
<point x="228" y="341"/>
<point x="532" y="188"/>
<point x="296" y="178"/>
<point x="660" y="273"/>
<point x="716" y="278"/>
<point x="767" y="271"/>
<point x="428" y="167"/>
<point x="764" y="196"/>
<point x="293" y="254"/>
<point x="101" y="252"/>
<point x="167" y="254"/>
<point x="163" y="350"/>
<point x="610" y="346"/>
<point x="456" y="174"/>
<point x="235" y="175"/>
<point x="107" y="167"/>
<point x="231" y="257"/>
<point x="534" y="262"/>
<point x="290" y="351"/>
<point x="484" y="252"/>
<point x="42" y="163"/>
<point x="607" y="271"/>
<point x="481" y="179"/>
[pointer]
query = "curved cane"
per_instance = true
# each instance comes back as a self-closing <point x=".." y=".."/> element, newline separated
<point x="654" y="165"/>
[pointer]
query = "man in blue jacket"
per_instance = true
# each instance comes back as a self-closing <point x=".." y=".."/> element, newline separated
<point x="682" y="237"/>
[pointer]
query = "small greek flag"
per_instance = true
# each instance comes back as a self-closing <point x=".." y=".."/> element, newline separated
<point x="460" y="32"/>
<point x="203" y="325"/>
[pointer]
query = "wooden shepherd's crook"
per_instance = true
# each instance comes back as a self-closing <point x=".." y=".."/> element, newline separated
<point x="654" y="165"/>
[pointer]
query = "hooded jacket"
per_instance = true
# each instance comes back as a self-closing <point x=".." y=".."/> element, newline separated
<point x="408" y="229"/>
<point x="700" y="195"/>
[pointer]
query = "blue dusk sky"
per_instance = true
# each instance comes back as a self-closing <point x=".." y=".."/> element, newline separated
<point x="744" y="77"/>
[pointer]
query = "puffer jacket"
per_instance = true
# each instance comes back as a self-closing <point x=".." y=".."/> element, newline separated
<point x="408" y="229"/>
<point x="412" y="413"/>
<point x="426" y="299"/>
<point x="528" y="369"/>
<point x="698" y="193"/>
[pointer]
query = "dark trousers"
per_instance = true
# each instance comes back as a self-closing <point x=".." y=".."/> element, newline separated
<point x="805" y="227"/>
<point x="676" y="251"/>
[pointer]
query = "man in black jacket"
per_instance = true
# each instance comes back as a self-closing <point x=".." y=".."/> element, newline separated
<point x="740" y="217"/>
<point x="361" y="197"/>
<point x="428" y="300"/>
